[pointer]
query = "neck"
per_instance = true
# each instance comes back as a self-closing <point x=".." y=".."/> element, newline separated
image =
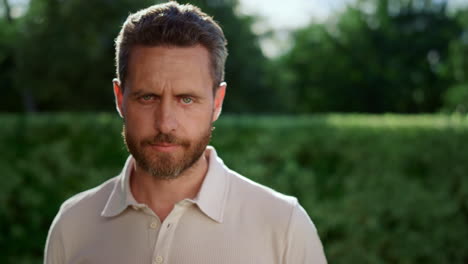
<point x="161" y="195"/>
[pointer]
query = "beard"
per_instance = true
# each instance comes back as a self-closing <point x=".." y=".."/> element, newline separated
<point x="162" y="165"/>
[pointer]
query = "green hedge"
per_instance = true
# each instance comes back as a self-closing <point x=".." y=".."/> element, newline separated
<point x="380" y="189"/>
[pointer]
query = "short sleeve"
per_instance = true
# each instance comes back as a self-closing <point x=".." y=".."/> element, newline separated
<point x="54" y="249"/>
<point x="303" y="243"/>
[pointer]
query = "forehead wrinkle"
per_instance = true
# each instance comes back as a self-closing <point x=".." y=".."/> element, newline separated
<point x="170" y="69"/>
<point x="159" y="85"/>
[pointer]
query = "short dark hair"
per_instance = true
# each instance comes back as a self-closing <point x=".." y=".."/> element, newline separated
<point x="171" y="24"/>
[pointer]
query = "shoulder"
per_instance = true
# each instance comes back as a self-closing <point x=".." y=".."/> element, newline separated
<point x="276" y="216"/>
<point x="259" y="200"/>
<point x="82" y="207"/>
<point x="261" y="193"/>
<point x="89" y="202"/>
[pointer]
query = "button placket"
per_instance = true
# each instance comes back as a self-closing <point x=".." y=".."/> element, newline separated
<point x="152" y="227"/>
<point x="158" y="260"/>
<point x="166" y="233"/>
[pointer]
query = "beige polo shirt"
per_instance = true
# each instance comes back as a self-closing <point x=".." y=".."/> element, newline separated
<point x="233" y="220"/>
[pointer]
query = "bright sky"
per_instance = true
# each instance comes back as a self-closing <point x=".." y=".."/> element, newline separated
<point x="288" y="14"/>
<point x="282" y="16"/>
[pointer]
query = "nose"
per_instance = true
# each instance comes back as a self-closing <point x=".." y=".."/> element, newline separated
<point x="166" y="116"/>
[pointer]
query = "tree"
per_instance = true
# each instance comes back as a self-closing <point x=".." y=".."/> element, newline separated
<point x="63" y="56"/>
<point x="456" y="96"/>
<point x="64" y="59"/>
<point x="378" y="56"/>
<point x="8" y="40"/>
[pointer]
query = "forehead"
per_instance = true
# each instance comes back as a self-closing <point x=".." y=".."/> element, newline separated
<point x="169" y="64"/>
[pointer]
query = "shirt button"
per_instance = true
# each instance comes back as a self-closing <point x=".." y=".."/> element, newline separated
<point x="154" y="225"/>
<point x="158" y="260"/>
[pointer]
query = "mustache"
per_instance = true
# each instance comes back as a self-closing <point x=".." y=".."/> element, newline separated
<point x="165" y="138"/>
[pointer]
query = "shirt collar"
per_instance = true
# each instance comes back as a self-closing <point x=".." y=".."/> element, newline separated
<point x="210" y="199"/>
<point x="121" y="197"/>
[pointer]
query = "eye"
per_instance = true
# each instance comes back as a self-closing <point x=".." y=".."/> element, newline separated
<point x="146" y="97"/>
<point x="186" y="100"/>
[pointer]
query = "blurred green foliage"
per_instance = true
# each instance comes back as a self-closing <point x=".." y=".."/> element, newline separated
<point x="60" y="55"/>
<point x="380" y="189"/>
<point x="376" y="57"/>
<point x="456" y="97"/>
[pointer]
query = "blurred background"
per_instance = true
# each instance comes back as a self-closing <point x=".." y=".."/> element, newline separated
<point x="301" y="56"/>
<point x="357" y="107"/>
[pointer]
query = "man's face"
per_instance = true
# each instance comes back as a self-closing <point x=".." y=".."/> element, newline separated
<point x="168" y="107"/>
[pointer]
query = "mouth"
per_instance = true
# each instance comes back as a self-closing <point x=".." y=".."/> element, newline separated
<point x="164" y="147"/>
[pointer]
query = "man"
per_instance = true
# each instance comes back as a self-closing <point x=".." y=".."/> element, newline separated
<point x="175" y="201"/>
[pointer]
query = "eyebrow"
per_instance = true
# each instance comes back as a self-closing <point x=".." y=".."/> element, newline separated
<point x="194" y="96"/>
<point x="139" y="92"/>
<point x="188" y="92"/>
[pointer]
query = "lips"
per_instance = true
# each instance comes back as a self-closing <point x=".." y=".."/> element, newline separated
<point x="164" y="147"/>
<point x="163" y="144"/>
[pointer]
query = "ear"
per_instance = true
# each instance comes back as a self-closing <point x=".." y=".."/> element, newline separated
<point x="218" y="100"/>
<point x="118" y="93"/>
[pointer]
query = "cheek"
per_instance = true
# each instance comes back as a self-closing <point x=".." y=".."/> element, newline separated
<point x="199" y="111"/>
<point x="138" y="122"/>
<point x="196" y="122"/>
